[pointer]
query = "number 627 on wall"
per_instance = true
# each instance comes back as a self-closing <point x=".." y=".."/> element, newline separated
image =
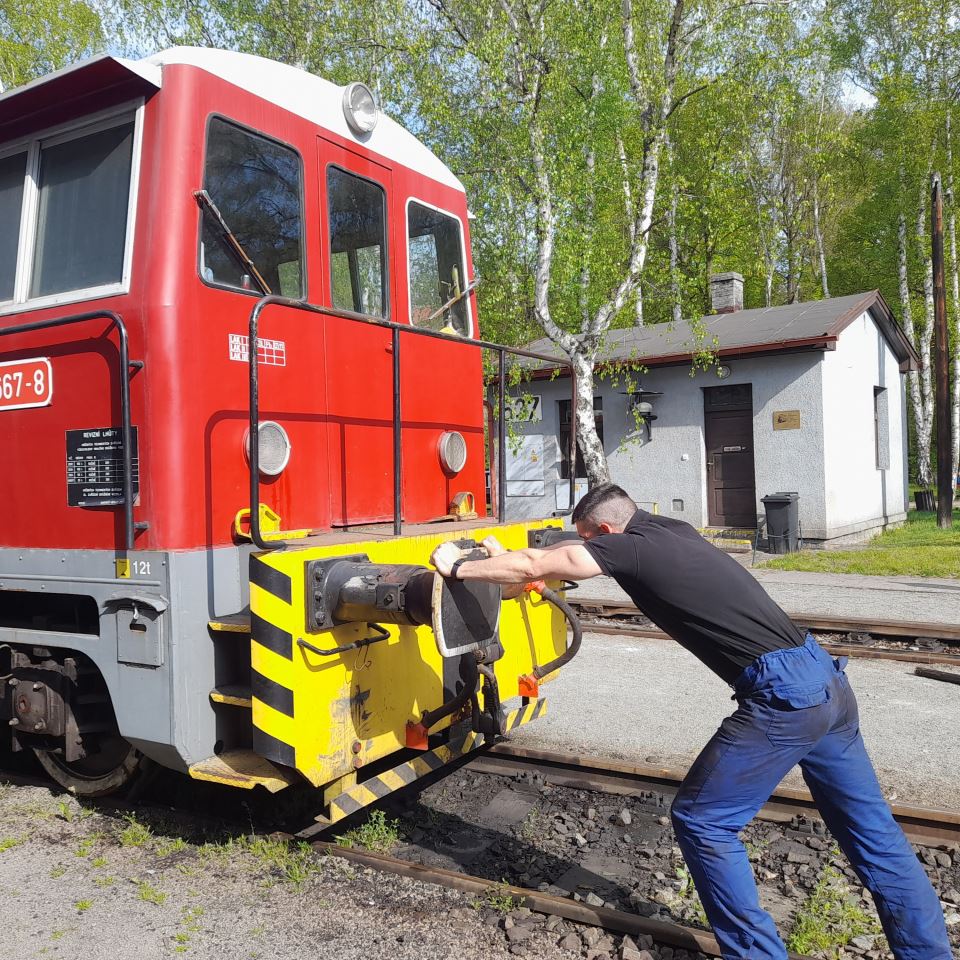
<point x="26" y="383"/>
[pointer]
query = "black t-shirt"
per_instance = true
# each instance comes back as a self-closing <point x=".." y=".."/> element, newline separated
<point x="698" y="594"/>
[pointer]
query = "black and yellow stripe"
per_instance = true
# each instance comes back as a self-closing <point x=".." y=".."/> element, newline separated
<point x="532" y="710"/>
<point x="272" y="727"/>
<point x="376" y="788"/>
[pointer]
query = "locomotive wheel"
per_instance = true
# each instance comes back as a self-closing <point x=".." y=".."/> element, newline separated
<point x="108" y="770"/>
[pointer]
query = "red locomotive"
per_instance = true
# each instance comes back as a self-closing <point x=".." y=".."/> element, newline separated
<point x="170" y="492"/>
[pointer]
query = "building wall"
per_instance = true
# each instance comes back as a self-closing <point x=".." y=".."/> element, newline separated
<point x="670" y="464"/>
<point x="829" y="461"/>
<point x="860" y="495"/>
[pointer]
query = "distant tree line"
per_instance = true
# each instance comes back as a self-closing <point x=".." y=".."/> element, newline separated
<point x="616" y="153"/>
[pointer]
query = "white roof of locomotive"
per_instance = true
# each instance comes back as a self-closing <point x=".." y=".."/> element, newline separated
<point x="310" y="97"/>
<point x="302" y="93"/>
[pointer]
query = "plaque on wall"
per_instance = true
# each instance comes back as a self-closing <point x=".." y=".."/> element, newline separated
<point x="786" y="420"/>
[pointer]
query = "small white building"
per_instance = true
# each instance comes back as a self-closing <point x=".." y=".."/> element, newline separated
<point x="806" y="398"/>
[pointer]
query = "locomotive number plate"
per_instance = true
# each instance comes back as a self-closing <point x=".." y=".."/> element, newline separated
<point x="26" y="383"/>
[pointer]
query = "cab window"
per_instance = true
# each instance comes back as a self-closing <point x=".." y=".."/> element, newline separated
<point x="358" y="243"/>
<point x="256" y="183"/>
<point x="437" y="272"/>
<point x="74" y="188"/>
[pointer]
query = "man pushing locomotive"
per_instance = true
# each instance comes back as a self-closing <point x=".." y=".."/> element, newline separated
<point x="794" y="706"/>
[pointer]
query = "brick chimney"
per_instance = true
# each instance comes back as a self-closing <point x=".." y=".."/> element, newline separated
<point x="726" y="292"/>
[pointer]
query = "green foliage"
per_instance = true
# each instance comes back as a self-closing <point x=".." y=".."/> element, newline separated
<point x="919" y="549"/>
<point x="8" y="843"/>
<point x="498" y="898"/>
<point x="83" y="906"/>
<point x="378" y="833"/>
<point x="135" y="834"/>
<point x="150" y="894"/>
<point x="39" y="36"/>
<point x="829" y="919"/>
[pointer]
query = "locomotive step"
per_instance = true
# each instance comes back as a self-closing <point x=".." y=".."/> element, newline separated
<point x="234" y="695"/>
<point x="231" y="623"/>
<point x="243" y="768"/>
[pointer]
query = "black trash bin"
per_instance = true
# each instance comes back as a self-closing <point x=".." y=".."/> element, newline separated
<point x="924" y="500"/>
<point x="783" y="521"/>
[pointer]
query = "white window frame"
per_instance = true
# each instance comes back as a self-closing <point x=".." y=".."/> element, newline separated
<point x="463" y="266"/>
<point x="62" y="133"/>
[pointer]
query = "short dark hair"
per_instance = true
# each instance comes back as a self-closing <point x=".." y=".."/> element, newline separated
<point x="605" y="503"/>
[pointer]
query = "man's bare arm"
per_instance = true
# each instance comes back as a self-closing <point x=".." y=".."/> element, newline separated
<point x="563" y="561"/>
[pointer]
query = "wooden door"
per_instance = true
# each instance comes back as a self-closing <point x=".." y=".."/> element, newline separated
<point x="728" y="436"/>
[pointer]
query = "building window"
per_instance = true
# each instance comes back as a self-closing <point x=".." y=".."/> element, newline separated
<point x="881" y="428"/>
<point x="565" y="409"/>
<point x="358" y="243"/>
<point x="66" y="213"/>
<point x="256" y="184"/>
<point x="437" y="271"/>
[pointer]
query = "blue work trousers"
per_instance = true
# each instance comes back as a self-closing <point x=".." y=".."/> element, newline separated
<point x="796" y="707"/>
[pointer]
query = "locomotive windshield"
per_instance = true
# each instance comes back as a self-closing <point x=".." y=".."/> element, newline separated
<point x="257" y="185"/>
<point x="74" y="191"/>
<point x="436" y="270"/>
<point x="358" y="267"/>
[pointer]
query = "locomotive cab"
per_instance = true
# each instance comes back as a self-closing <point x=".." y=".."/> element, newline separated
<point x="238" y="347"/>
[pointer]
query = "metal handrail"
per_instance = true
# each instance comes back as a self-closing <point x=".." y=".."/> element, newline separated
<point x="397" y="329"/>
<point x="125" y="366"/>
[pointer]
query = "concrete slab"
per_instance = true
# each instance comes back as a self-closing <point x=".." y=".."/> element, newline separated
<point x="507" y="808"/>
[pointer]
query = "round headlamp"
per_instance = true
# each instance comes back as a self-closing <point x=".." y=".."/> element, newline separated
<point x="273" y="448"/>
<point x="453" y="451"/>
<point x="360" y="108"/>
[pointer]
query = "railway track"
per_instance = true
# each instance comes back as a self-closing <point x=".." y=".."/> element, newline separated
<point x="925" y="827"/>
<point x="614" y="618"/>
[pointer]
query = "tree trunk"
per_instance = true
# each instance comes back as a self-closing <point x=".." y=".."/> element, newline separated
<point x="587" y="440"/>
<point x="954" y="299"/>
<point x="672" y="226"/>
<point x="924" y="473"/>
<point x="923" y="339"/>
<point x="818" y="237"/>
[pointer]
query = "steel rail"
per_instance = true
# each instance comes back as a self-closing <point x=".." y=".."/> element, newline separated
<point x="126" y="429"/>
<point x="619" y="628"/>
<point x="684" y="938"/>
<point x="396" y="328"/>
<point x="922" y="825"/>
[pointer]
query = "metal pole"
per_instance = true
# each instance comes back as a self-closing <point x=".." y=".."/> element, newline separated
<point x="942" y="376"/>
<point x="397" y="438"/>
<point x="501" y="439"/>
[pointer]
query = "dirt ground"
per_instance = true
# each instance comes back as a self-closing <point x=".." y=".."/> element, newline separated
<point x="87" y="884"/>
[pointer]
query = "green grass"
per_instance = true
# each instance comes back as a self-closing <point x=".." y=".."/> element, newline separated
<point x="829" y="918"/>
<point x="8" y="843"/>
<point x="379" y="834"/>
<point x="496" y="898"/>
<point x="135" y="834"/>
<point x="150" y="894"/>
<point x="917" y="549"/>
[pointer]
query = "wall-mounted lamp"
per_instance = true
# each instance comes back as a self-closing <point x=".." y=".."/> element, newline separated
<point x="641" y="406"/>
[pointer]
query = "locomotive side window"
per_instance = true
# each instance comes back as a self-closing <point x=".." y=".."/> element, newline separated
<point x="358" y="243"/>
<point x="257" y="185"/>
<point x="82" y="222"/>
<point x="12" y="172"/>
<point x="437" y="272"/>
<point x="67" y="203"/>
